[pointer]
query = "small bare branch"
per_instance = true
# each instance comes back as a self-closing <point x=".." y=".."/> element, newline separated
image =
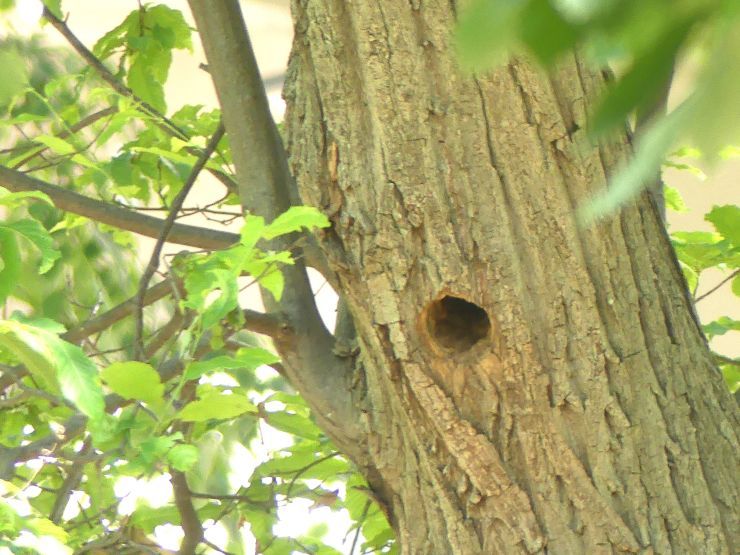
<point x="716" y="287"/>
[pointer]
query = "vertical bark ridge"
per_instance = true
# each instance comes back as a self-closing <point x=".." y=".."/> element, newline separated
<point x="585" y="420"/>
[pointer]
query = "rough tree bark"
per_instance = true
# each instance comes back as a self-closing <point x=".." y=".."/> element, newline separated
<point x="524" y="385"/>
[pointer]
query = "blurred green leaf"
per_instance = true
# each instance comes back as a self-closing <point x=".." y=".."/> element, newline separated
<point x="55" y="144"/>
<point x="721" y="326"/>
<point x="726" y="220"/>
<point x="55" y="7"/>
<point x="486" y="31"/>
<point x="12" y="200"/>
<point x="294" y="424"/>
<point x="249" y="358"/>
<point x="15" y="75"/>
<point x="545" y="32"/>
<point x="10" y="257"/>
<point x="145" y="85"/>
<point x="673" y="200"/>
<point x="643" y="84"/>
<point x="60" y="365"/>
<point x="216" y="406"/>
<point x="183" y="457"/>
<point x="134" y="380"/>
<point x="731" y="374"/>
<point x="34" y="232"/>
<point x="640" y="172"/>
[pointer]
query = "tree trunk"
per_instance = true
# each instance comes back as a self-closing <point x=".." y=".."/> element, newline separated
<point x="529" y="385"/>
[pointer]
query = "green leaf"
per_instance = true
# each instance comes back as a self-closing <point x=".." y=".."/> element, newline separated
<point x="643" y="83"/>
<point x="252" y="230"/>
<point x="273" y="281"/>
<point x="692" y="278"/>
<point x="10" y="522"/>
<point x="12" y="200"/>
<point x="200" y="284"/>
<point x="45" y="527"/>
<point x="721" y="326"/>
<point x="56" y="145"/>
<point x="331" y="468"/>
<point x="143" y="83"/>
<point x="642" y="169"/>
<point x="735" y="286"/>
<point x="673" y="200"/>
<point x="134" y="380"/>
<point x="177" y="157"/>
<point x="248" y="357"/>
<point x="293" y="219"/>
<point x="699" y="249"/>
<point x="216" y="406"/>
<point x="294" y="424"/>
<point x="169" y="27"/>
<point x="731" y="374"/>
<point x="545" y="32"/>
<point x="485" y="32"/>
<point x="34" y="232"/>
<point x="148" y="518"/>
<point x="15" y="75"/>
<point x="152" y="451"/>
<point x="55" y="7"/>
<point x="183" y="457"/>
<point x="726" y="220"/>
<point x="11" y="264"/>
<point x="61" y="365"/>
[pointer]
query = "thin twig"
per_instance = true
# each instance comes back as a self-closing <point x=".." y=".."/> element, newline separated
<point x="215" y="547"/>
<point x="359" y="526"/>
<point x="722" y="359"/>
<point x="166" y="227"/>
<point x="720" y="284"/>
<point x="307" y="467"/>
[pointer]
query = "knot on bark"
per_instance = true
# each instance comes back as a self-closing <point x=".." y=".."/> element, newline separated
<point x="456" y="324"/>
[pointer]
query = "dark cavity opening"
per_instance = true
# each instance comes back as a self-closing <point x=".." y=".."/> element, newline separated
<point x="456" y="324"/>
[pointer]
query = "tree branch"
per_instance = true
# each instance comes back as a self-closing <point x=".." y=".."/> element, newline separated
<point x="117" y="216"/>
<point x="189" y="520"/>
<point x="268" y="189"/>
<point x="167" y="225"/>
<point x="72" y="481"/>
